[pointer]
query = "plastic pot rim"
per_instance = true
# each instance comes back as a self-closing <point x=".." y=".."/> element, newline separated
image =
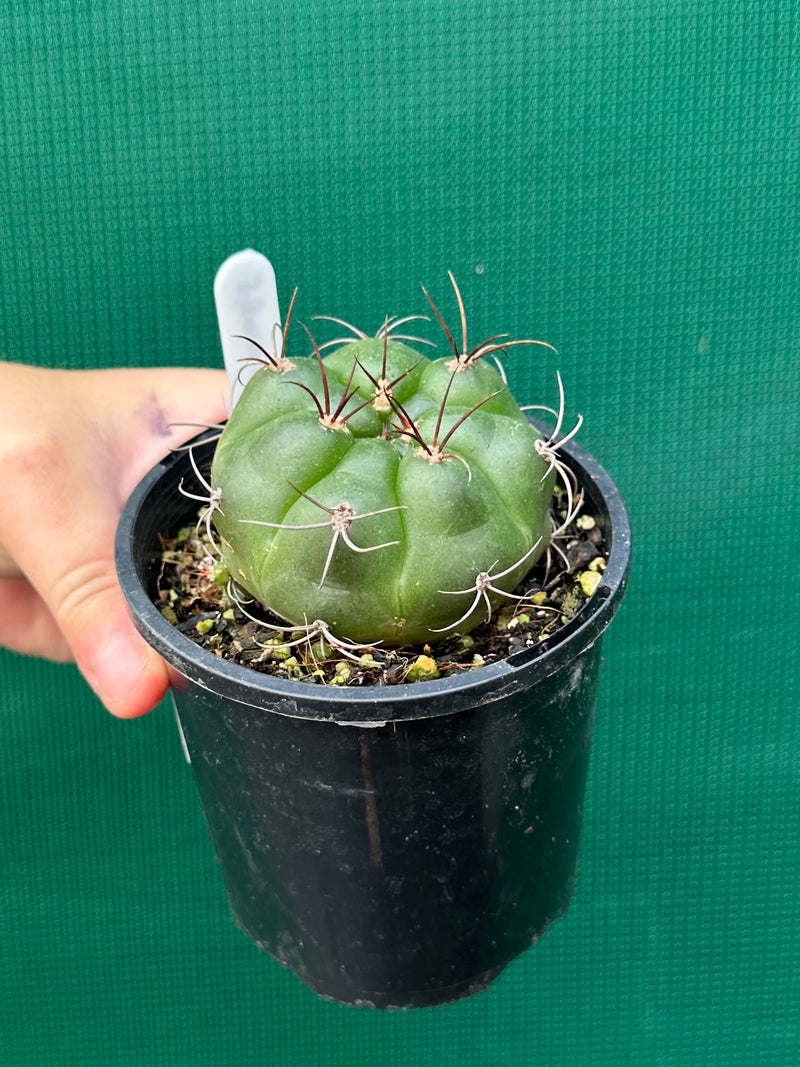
<point x="375" y="705"/>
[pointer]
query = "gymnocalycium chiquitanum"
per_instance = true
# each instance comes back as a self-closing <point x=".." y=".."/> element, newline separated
<point x="374" y="495"/>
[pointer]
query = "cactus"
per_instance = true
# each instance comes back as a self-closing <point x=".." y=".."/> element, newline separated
<point x="376" y="495"/>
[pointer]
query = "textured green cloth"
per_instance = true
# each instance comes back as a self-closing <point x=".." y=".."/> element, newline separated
<point x="619" y="177"/>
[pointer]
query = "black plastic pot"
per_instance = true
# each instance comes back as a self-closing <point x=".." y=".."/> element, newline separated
<point x="395" y="847"/>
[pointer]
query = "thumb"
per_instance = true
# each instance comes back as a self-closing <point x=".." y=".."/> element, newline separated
<point x="125" y="673"/>
<point x="77" y="581"/>
<point x="58" y="526"/>
<point x="161" y="408"/>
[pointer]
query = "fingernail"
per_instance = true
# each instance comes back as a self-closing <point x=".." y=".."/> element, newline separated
<point x="117" y="667"/>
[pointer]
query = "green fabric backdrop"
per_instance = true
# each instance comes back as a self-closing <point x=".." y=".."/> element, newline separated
<point x="619" y="177"/>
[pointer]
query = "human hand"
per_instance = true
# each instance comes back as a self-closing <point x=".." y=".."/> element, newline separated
<point x="73" y="445"/>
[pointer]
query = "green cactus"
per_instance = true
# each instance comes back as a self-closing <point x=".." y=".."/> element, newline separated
<point x="393" y="497"/>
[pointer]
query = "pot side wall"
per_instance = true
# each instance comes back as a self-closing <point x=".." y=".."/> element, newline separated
<point x="403" y="865"/>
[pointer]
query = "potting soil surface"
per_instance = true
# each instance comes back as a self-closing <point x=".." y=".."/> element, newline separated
<point x="195" y="594"/>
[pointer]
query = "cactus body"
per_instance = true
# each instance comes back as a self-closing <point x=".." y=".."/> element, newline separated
<point x="441" y="521"/>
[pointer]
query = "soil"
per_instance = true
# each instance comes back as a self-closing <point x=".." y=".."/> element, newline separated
<point x="196" y="595"/>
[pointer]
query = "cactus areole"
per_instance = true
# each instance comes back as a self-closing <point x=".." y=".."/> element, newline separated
<point x="386" y="494"/>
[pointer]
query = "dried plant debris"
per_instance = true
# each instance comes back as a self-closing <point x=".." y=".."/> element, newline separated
<point x="197" y="595"/>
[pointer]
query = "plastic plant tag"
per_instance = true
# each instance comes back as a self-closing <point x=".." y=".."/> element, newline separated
<point x="246" y="298"/>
